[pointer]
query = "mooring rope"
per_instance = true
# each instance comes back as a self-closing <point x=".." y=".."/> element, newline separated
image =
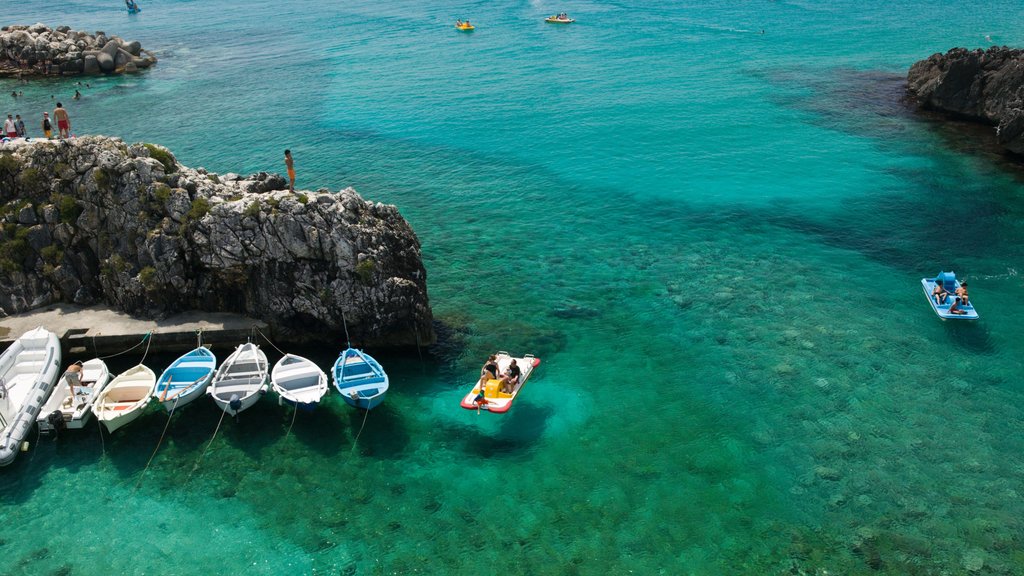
<point x="354" y="442"/>
<point x="144" y="339"/>
<point x="103" y="444"/>
<point x="164" y="433"/>
<point x="344" y="323"/>
<point x="269" y="341"/>
<point x="295" y="413"/>
<point x="200" y="459"/>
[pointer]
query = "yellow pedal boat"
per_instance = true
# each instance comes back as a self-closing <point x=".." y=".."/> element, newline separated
<point x="465" y="27"/>
<point x="557" y="20"/>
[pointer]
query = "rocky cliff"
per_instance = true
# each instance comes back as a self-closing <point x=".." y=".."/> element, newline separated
<point x="93" y="219"/>
<point x="980" y="85"/>
<point x="38" y="50"/>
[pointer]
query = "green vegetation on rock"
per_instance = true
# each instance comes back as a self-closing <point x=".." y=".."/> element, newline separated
<point x="365" y="271"/>
<point x="162" y="156"/>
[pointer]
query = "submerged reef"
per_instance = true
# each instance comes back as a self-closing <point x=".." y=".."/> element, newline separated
<point x="92" y="219"/>
<point x="985" y="86"/>
<point x="37" y="50"/>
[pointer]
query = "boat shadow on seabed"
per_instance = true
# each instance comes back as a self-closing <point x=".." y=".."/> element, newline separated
<point x="519" y="431"/>
<point x="970" y="336"/>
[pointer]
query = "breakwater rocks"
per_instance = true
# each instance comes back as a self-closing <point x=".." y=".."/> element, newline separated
<point x="39" y="51"/>
<point x="93" y="219"/>
<point x="984" y="86"/>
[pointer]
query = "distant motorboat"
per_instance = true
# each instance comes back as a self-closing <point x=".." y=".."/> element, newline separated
<point x="28" y="372"/>
<point x="125" y="398"/>
<point x="185" y="379"/>
<point x="241" y="380"/>
<point x="360" y="379"/>
<point x="559" y="20"/>
<point x="70" y="405"/>
<point x="298" y="381"/>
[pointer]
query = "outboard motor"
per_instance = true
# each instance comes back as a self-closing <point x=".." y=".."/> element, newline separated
<point x="56" y="421"/>
<point x="235" y="402"/>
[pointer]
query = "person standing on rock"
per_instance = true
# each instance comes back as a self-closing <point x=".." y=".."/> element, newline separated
<point x="290" y="164"/>
<point x="9" y="130"/>
<point x="63" y="121"/>
<point x="19" y="126"/>
<point x="47" y="127"/>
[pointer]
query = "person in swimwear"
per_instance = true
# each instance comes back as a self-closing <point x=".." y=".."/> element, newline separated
<point x="9" y="130"/>
<point x="939" y="293"/>
<point x="290" y="164"/>
<point x="510" y="378"/>
<point x="63" y="121"/>
<point x="954" y="308"/>
<point x="961" y="294"/>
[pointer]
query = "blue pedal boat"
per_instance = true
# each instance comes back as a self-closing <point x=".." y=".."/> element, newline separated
<point x="360" y="379"/>
<point x="950" y="283"/>
<point x="185" y="379"/>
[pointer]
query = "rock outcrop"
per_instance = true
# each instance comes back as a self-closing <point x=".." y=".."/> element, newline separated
<point x="93" y="219"/>
<point x="39" y="51"/>
<point x="980" y="85"/>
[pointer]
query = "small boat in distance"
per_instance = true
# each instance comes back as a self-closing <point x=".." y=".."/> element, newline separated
<point x="464" y="26"/>
<point x="946" y="304"/>
<point x="562" y="18"/>
<point x="133" y="6"/>
<point x="493" y="398"/>
<point x="70" y="405"/>
<point x="360" y="379"/>
<point x="298" y="381"/>
<point x="125" y="398"/>
<point x="28" y="371"/>
<point x="185" y="379"/>
<point x="241" y="380"/>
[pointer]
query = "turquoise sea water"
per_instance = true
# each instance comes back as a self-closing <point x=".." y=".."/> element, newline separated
<point x="713" y="238"/>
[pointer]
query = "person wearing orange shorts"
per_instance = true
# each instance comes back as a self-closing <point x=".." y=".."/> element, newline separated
<point x="47" y="126"/>
<point x="290" y="164"/>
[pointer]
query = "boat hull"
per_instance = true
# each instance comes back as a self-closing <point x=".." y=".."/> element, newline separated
<point x="28" y="373"/>
<point x="125" y="399"/>
<point x="241" y="380"/>
<point x="298" y="381"/>
<point x="73" y="413"/>
<point x="495" y="400"/>
<point x="360" y="379"/>
<point x="942" y="310"/>
<point x="186" y="379"/>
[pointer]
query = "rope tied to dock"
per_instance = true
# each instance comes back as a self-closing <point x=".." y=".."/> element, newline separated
<point x="269" y="341"/>
<point x="145" y="338"/>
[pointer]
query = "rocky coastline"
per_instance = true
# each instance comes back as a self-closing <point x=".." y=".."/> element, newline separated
<point x="37" y="50"/>
<point x="93" y="219"/>
<point x="984" y="86"/>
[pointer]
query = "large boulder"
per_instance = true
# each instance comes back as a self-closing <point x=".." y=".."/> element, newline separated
<point x="39" y="50"/>
<point x="91" y="66"/>
<point x="985" y="86"/>
<point x="131" y="226"/>
<point x="105" y="62"/>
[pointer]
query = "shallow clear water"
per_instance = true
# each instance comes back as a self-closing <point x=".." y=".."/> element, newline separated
<point x="712" y="237"/>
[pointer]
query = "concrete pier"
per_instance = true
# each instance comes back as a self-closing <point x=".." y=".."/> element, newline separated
<point x="101" y="330"/>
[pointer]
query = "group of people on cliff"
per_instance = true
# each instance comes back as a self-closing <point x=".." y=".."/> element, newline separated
<point x="14" y="126"/>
